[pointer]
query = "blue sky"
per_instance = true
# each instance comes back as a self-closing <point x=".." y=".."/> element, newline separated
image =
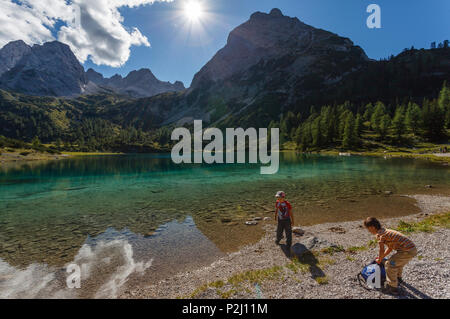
<point x="176" y="54"/>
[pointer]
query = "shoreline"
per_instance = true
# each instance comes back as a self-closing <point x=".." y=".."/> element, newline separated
<point x="335" y="253"/>
<point x="28" y="156"/>
<point x="9" y="158"/>
<point x="438" y="158"/>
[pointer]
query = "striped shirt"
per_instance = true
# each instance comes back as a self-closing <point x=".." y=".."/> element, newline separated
<point x="394" y="240"/>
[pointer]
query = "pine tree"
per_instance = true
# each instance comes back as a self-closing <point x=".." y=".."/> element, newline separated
<point x="349" y="137"/>
<point x="444" y="98"/>
<point x="316" y="131"/>
<point x="305" y="137"/>
<point x="385" y="123"/>
<point x="433" y="121"/>
<point x="368" y="113"/>
<point x="413" y="117"/>
<point x="377" y="116"/>
<point x="358" y="125"/>
<point x="398" y="123"/>
<point x="341" y="123"/>
<point x="328" y="124"/>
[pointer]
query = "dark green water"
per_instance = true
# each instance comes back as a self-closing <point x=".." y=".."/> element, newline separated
<point x="131" y="209"/>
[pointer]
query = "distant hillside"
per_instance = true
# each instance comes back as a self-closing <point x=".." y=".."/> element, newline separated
<point x="94" y="122"/>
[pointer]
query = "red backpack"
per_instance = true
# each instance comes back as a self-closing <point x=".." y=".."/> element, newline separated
<point x="283" y="209"/>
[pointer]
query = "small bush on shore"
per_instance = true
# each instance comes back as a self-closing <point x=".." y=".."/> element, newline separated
<point x="333" y="249"/>
<point x="355" y="249"/>
<point x="322" y="280"/>
<point x="296" y="265"/>
<point x="426" y="225"/>
<point x="255" y="276"/>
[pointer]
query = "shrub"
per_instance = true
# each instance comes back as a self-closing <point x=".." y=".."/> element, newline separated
<point x="426" y="225"/>
<point x="322" y="280"/>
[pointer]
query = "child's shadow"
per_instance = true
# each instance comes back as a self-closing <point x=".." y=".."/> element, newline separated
<point x="302" y="255"/>
<point x="411" y="292"/>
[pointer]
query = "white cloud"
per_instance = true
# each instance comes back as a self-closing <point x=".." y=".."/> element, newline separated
<point x="93" y="29"/>
<point x="21" y="23"/>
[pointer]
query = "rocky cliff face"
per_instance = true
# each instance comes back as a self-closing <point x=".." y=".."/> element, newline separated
<point x="11" y="54"/>
<point x="50" y="69"/>
<point x="141" y="83"/>
<point x="272" y="36"/>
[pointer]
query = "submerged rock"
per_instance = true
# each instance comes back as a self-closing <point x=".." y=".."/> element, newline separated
<point x="251" y="223"/>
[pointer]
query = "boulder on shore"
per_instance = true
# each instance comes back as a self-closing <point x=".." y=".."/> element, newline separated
<point x="298" y="231"/>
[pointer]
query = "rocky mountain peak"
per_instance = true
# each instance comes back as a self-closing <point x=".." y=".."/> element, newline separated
<point x="49" y="69"/>
<point x="11" y="54"/>
<point x="271" y="36"/>
<point x="140" y="76"/>
<point x="276" y="12"/>
<point x="263" y="36"/>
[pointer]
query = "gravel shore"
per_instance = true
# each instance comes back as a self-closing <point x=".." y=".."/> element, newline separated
<point x="265" y="270"/>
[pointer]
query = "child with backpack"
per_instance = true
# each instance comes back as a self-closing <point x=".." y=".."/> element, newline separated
<point x="285" y="218"/>
<point x="394" y="240"/>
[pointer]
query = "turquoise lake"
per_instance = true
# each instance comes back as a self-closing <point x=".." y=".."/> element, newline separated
<point x="158" y="218"/>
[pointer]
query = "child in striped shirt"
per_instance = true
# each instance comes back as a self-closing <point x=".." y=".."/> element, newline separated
<point x="394" y="240"/>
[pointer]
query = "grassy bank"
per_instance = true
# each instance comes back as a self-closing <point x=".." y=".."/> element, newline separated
<point x="425" y="151"/>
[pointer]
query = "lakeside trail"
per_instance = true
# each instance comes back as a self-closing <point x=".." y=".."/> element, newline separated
<point x="324" y="264"/>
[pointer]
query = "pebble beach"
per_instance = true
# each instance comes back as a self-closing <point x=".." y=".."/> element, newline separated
<point x="323" y="263"/>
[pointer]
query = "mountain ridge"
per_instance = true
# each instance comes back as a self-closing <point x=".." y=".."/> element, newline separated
<point x="36" y="70"/>
<point x="138" y="83"/>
